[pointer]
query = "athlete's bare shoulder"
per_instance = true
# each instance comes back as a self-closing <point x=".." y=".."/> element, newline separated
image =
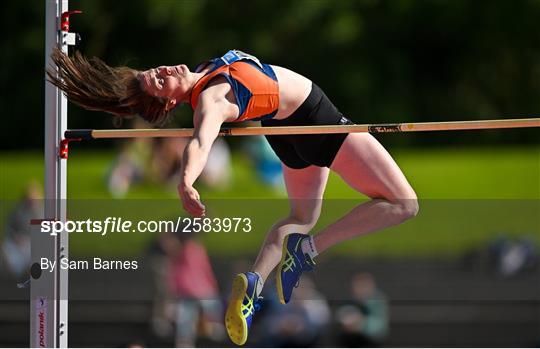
<point x="293" y="90"/>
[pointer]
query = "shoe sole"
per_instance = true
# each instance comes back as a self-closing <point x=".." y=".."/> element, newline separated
<point x="235" y="323"/>
<point x="279" y="285"/>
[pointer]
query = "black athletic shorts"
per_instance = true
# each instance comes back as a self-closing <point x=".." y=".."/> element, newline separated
<point x="300" y="151"/>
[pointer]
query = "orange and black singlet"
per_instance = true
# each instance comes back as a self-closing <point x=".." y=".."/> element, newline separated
<point x="254" y="84"/>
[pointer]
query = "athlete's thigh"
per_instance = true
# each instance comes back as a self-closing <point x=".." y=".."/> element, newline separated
<point x="305" y="188"/>
<point x="368" y="168"/>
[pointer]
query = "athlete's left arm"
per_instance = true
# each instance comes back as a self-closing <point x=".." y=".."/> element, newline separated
<point x="208" y="118"/>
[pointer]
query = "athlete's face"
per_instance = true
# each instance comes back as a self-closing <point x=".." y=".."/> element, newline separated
<point x="172" y="82"/>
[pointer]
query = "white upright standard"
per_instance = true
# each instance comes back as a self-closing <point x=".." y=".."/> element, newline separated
<point x="49" y="290"/>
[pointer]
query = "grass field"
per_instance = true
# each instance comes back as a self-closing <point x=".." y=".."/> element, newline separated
<point x="468" y="195"/>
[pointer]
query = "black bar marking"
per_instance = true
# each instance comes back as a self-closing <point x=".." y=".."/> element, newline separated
<point x="78" y="134"/>
<point x="384" y="128"/>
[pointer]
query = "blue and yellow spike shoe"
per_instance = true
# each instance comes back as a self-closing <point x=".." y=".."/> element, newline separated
<point x="242" y="306"/>
<point x="293" y="263"/>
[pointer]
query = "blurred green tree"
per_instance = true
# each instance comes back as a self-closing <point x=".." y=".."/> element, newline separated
<point x="378" y="60"/>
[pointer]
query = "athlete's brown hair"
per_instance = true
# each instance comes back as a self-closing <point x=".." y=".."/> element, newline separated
<point x="94" y="85"/>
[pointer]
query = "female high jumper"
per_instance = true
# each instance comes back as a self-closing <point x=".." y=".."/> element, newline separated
<point x="238" y="87"/>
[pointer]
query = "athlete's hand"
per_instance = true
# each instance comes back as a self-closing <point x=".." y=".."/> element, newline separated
<point x="191" y="200"/>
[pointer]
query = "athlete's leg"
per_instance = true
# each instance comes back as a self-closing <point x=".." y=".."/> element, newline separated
<point x="368" y="168"/>
<point x="305" y="188"/>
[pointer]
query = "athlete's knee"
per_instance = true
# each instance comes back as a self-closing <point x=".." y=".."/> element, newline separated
<point x="407" y="208"/>
<point x="412" y="207"/>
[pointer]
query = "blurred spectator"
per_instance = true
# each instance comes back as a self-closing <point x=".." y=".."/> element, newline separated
<point x="504" y="255"/>
<point x="162" y="320"/>
<point x="267" y="164"/>
<point x="193" y="303"/>
<point x="301" y="323"/>
<point x="131" y="163"/>
<point x="159" y="160"/>
<point x="218" y="169"/>
<point x="16" y="245"/>
<point x="364" y="321"/>
<point x="511" y="257"/>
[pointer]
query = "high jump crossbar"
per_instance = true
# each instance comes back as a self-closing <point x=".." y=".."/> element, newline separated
<point x="303" y="130"/>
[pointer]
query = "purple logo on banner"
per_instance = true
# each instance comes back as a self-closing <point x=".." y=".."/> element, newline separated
<point x="41" y="322"/>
